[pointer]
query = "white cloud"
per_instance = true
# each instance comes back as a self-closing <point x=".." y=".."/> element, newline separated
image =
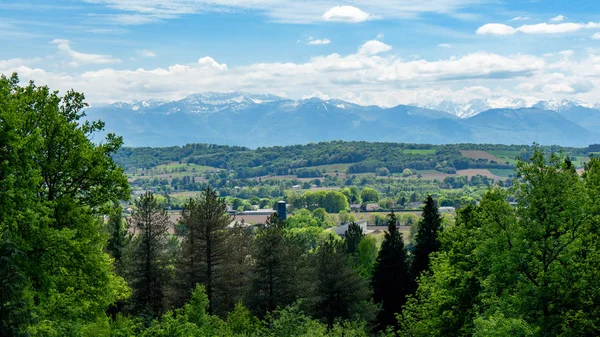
<point x="345" y="14"/>
<point x="540" y="28"/>
<point x="208" y="62"/>
<point x="313" y="41"/>
<point x="374" y="47"/>
<point x="379" y="36"/>
<point x="298" y="11"/>
<point x="495" y="29"/>
<point x="445" y="45"/>
<point x="78" y="58"/>
<point x="558" y="18"/>
<point x="520" y="18"/>
<point x="596" y="36"/>
<point x="367" y="76"/>
<point x="147" y="53"/>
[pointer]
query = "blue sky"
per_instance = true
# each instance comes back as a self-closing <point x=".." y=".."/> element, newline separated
<point x="382" y="52"/>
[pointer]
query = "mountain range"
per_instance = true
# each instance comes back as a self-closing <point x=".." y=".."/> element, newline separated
<point x="252" y="120"/>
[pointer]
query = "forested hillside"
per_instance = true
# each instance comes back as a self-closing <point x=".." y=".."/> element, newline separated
<point x="523" y="261"/>
<point x="363" y="157"/>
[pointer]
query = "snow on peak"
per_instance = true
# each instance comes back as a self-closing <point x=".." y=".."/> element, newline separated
<point x="560" y="105"/>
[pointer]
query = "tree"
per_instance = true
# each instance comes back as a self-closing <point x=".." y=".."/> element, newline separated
<point x="369" y="195"/>
<point x="391" y="277"/>
<point x="54" y="185"/>
<point x="147" y="261"/>
<point x="117" y="236"/>
<point x="235" y="271"/>
<point x="346" y="217"/>
<point x="528" y="270"/>
<point x="426" y="238"/>
<point x="276" y="278"/>
<point x="352" y="237"/>
<point x="366" y="256"/>
<point x="339" y="289"/>
<point x="204" y="247"/>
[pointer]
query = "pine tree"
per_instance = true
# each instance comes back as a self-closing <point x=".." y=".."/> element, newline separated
<point x="426" y="238"/>
<point x="117" y="236"/>
<point x="276" y="270"/>
<point x="236" y="272"/>
<point x="340" y="290"/>
<point x="204" y="248"/>
<point x="148" y="258"/>
<point x="352" y="238"/>
<point x="391" y="277"/>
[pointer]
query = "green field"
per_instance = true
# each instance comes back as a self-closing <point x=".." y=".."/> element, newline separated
<point x="419" y="151"/>
<point x="330" y="168"/>
<point x="509" y="156"/>
<point x="505" y="173"/>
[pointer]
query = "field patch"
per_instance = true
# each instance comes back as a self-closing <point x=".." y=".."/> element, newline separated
<point x="475" y="154"/>
<point x="506" y="156"/>
<point x="482" y="172"/>
<point x="419" y="151"/>
<point x="505" y="173"/>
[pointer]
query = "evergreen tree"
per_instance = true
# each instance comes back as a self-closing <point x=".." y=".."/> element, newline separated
<point x="117" y="236"/>
<point x="340" y="291"/>
<point x="236" y="272"/>
<point x="149" y="256"/>
<point x="276" y="271"/>
<point x="352" y="238"/>
<point x="204" y="247"/>
<point x="391" y="277"/>
<point x="426" y="238"/>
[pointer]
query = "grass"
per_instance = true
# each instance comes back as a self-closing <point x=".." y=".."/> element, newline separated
<point x="505" y="173"/>
<point x="330" y="168"/>
<point x="508" y="156"/>
<point x="419" y="151"/>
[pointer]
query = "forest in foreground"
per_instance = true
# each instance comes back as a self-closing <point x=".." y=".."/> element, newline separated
<point x="72" y="266"/>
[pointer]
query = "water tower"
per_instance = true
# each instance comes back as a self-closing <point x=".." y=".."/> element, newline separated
<point x="281" y="209"/>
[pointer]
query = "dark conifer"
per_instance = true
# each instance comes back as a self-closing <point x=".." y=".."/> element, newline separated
<point x="426" y="238"/>
<point x="276" y="279"/>
<point x="352" y="238"/>
<point x="391" y="278"/>
<point x="203" y="249"/>
<point x="340" y="290"/>
<point x="148" y="260"/>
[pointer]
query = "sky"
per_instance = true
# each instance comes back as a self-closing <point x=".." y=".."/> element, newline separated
<point x="381" y="52"/>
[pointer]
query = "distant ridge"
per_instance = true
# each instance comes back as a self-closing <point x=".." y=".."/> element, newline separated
<point x="240" y="118"/>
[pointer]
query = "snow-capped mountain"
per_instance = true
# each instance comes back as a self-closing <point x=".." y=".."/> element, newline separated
<point x="561" y="105"/>
<point x="239" y="118"/>
<point x="208" y="102"/>
<point x="474" y="107"/>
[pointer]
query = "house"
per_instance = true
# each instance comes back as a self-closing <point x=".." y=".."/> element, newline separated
<point x="355" y="207"/>
<point x="341" y="230"/>
<point x="447" y="210"/>
<point x="372" y="207"/>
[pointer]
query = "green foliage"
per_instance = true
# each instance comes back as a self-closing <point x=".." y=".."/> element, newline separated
<point x="391" y="278"/>
<point x="352" y="238"/>
<point x="525" y="271"/>
<point x="340" y="289"/>
<point x="203" y="249"/>
<point x="366" y="256"/>
<point x="426" y="237"/>
<point x="369" y="195"/>
<point x="278" y="269"/>
<point x="345" y="217"/>
<point x="54" y="186"/>
<point x="148" y="257"/>
<point x="331" y="201"/>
